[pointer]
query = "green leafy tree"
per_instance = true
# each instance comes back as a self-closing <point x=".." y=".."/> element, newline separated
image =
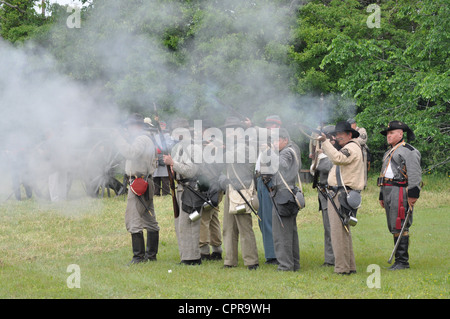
<point x="257" y="57"/>
<point x="401" y="72"/>
<point x="19" y="20"/>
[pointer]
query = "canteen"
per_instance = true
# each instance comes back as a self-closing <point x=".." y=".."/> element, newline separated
<point x="241" y="209"/>
<point x="352" y="221"/>
<point x="207" y="206"/>
<point x="354" y="199"/>
<point x="255" y="202"/>
<point x="301" y="199"/>
<point x="194" y="216"/>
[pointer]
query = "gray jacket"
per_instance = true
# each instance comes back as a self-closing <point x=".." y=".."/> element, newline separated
<point x="404" y="167"/>
<point x="288" y="167"/>
<point x="140" y="155"/>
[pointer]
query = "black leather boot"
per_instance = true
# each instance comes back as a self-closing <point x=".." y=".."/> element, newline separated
<point x="401" y="255"/>
<point x="192" y="262"/>
<point x="152" y="245"/>
<point x="138" y="245"/>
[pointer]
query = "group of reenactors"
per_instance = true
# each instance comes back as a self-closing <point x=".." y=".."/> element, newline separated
<point x="160" y="163"/>
<point x="339" y="167"/>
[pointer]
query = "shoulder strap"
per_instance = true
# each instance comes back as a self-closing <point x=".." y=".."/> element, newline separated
<point x="298" y="175"/>
<point x="340" y="182"/>
<point x="287" y="186"/>
<point x="390" y="154"/>
<point x="237" y="176"/>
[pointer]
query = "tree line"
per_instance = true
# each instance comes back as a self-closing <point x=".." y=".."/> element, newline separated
<point x="380" y="60"/>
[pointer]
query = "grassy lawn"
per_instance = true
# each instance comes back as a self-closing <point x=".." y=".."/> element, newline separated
<point x="39" y="240"/>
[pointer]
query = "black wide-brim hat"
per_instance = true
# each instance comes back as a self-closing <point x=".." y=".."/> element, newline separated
<point x="398" y="125"/>
<point x="344" y="126"/>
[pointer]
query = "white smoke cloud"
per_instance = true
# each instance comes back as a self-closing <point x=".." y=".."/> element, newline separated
<point x="116" y="63"/>
<point x="48" y="121"/>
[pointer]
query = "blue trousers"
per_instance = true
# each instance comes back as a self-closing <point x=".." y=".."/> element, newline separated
<point x="265" y="213"/>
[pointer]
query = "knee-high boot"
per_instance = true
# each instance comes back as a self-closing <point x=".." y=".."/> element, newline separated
<point x="152" y="245"/>
<point x="138" y="246"/>
<point x="401" y="255"/>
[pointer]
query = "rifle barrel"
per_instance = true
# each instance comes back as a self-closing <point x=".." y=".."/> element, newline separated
<point x="328" y="195"/>
<point x="274" y="204"/>
<point x="176" y="207"/>
<point x="199" y="195"/>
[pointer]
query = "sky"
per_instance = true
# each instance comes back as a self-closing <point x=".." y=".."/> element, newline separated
<point x="61" y="2"/>
<point x="64" y="2"/>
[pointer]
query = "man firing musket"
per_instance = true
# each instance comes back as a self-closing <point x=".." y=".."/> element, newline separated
<point x="288" y="199"/>
<point x="320" y="169"/>
<point x="190" y="201"/>
<point x="163" y="147"/>
<point x="140" y="154"/>
<point x="176" y="207"/>
<point x="345" y="177"/>
<point x="265" y="198"/>
<point x="208" y="182"/>
<point x="237" y="219"/>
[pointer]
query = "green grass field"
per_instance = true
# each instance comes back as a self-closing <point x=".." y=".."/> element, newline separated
<point x="39" y="240"/>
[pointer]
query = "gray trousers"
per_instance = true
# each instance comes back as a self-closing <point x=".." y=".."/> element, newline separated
<point x="344" y="258"/>
<point x="285" y="240"/>
<point x="187" y="231"/>
<point x="390" y="197"/>
<point x="137" y="217"/>
<point x="328" y="248"/>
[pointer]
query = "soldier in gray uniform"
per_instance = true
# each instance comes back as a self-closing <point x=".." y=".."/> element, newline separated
<point x="140" y="154"/>
<point x="209" y="173"/>
<point x="187" y="228"/>
<point x="237" y="226"/>
<point x="321" y="173"/>
<point x="399" y="182"/>
<point x="284" y="226"/>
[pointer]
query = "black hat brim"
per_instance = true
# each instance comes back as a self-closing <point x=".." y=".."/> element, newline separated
<point x="410" y="134"/>
<point x="355" y="133"/>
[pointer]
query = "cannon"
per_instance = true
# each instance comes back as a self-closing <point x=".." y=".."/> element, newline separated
<point x="90" y="157"/>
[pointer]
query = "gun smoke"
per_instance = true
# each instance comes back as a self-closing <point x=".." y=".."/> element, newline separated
<point x="53" y="112"/>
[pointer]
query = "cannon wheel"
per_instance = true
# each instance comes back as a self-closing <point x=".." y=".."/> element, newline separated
<point x="102" y="163"/>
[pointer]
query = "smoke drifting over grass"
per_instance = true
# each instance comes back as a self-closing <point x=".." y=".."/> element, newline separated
<point x="47" y="120"/>
<point x="126" y="56"/>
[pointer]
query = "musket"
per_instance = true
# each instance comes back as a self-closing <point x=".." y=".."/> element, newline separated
<point x="401" y="234"/>
<point x="236" y="113"/>
<point x="199" y="195"/>
<point x="143" y="204"/>
<point x="317" y="147"/>
<point x="176" y="207"/>
<point x="273" y="203"/>
<point x="328" y="195"/>
<point x="140" y="199"/>
<point x="303" y="127"/>
<point x="11" y="194"/>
